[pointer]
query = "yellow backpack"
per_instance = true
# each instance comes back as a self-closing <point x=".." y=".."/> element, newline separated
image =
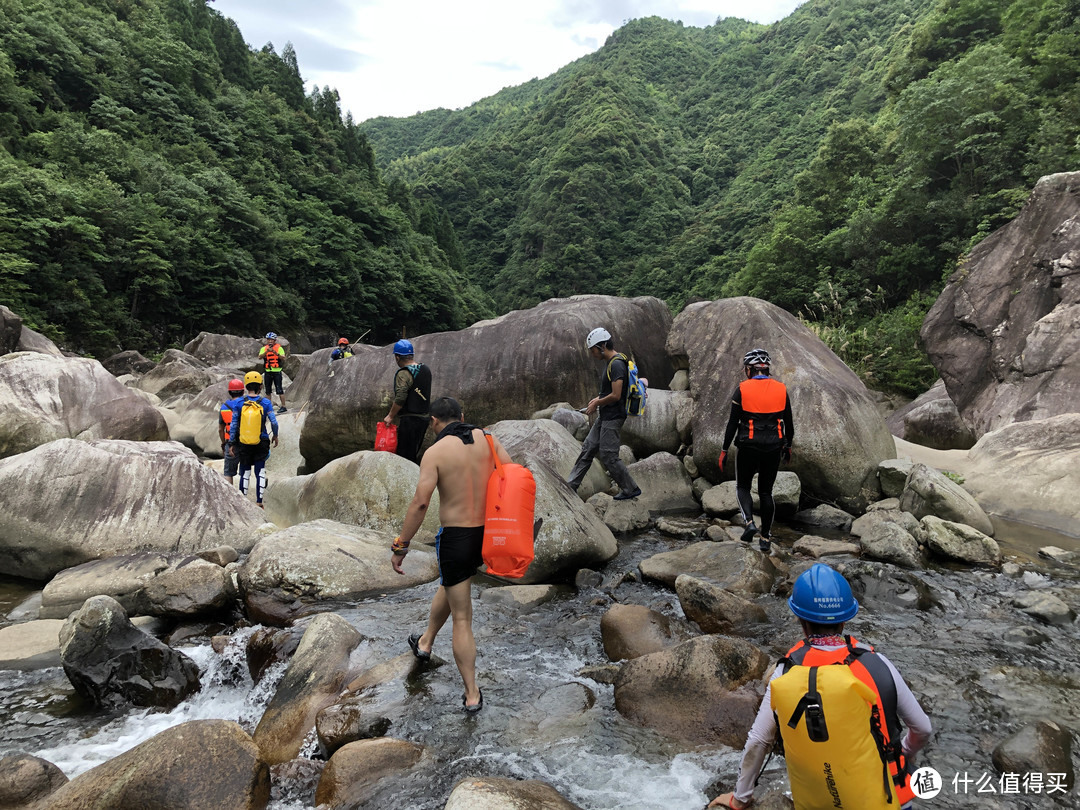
<point x="251" y="421"/>
<point x="830" y="726"/>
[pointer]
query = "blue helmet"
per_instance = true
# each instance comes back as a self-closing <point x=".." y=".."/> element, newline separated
<point x="270" y="336"/>
<point x="403" y="348"/>
<point x="822" y="595"/>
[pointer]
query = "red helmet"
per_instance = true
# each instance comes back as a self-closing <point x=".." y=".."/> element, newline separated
<point x="236" y="385"/>
<point x="343" y="342"/>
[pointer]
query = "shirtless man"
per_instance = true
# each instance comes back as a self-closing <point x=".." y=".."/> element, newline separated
<point x="459" y="463"/>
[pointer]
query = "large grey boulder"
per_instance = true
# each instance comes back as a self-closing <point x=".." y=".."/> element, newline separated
<point x="506" y="368"/>
<point x="955" y="541"/>
<point x="665" y="484"/>
<point x="716" y="610"/>
<point x="501" y="793"/>
<point x="1005" y="331"/>
<point x="631" y="631"/>
<point x="692" y="691"/>
<point x="109" y="661"/>
<point x="544" y="442"/>
<point x="657" y="429"/>
<point x="228" y="351"/>
<point x="731" y="565"/>
<point x="890" y="542"/>
<point x="10" y="329"/>
<point x="1030" y="472"/>
<point x="25" y="779"/>
<point x="197" y="426"/>
<point x="128" y="362"/>
<point x="70" y="501"/>
<point x="44" y="398"/>
<point x="368" y="489"/>
<point x="317" y="672"/>
<point x="31" y="341"/>
<point x="932" y="420"/>
<point x="840" y="436"/>
<point x="291" y="571"/>
<point x="355" y="770"/>
<point x="192" y="766"/>
<point x="178" y="373"/>
<point x="929" y="492"/>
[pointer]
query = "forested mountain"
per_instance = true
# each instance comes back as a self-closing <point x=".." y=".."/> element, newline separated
<point x="158" y="178"/>
<point x="837" y="163"/>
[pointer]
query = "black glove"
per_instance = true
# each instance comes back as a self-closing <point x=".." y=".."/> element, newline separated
<point x="785" y="455"/>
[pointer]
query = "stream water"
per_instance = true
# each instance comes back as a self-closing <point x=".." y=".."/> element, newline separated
<point x="980" y="668"/>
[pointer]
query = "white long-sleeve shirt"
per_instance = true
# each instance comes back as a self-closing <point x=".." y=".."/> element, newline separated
<point x="763" y="732"/>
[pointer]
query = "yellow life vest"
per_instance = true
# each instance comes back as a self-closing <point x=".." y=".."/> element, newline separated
<point x="829" y="722"/>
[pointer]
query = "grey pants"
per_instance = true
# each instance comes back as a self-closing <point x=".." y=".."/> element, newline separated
<point x="603" y="440"/>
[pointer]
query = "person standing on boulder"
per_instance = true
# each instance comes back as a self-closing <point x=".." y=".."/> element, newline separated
<point x="459" y="464"/>
<point x="762" y="426"/>
<point x="610" y="407"/>
<point x="225" y="414"/>
<point x="248" y="437"/>
<point x="272" y="357"/>
<point x="822" y="601"/>
<point x="412" y="397"/>
<point x="342" y="351"/>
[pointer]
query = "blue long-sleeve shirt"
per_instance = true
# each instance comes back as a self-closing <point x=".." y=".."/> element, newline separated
<point x="268" y="412"/>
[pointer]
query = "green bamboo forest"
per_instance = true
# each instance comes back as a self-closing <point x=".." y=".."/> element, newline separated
<point x="158" y="177"/>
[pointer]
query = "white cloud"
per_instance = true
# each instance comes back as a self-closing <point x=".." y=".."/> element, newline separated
<point x="400" y="57"/>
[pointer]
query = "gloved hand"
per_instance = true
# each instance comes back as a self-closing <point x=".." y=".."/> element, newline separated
<point x="720" y="463"/>
<point x="785" y="455"/>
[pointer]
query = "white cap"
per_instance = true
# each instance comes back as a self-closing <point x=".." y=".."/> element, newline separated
<point x="597" y="335"/>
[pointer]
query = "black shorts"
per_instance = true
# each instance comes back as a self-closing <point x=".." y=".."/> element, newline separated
<point x="460" y="552"/>
<point x="272" y="380"/>
<point x="250" y="454"/>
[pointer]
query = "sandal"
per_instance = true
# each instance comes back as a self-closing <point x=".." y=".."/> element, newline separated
<point x="414" y="642"/>
<point x="472" y="709"/>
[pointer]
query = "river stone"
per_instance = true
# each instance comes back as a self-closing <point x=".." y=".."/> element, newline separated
<point x="932" y="420"/>
<point x="840" y="436"/>
<point x="293" y="570"/>
<point x="45" y="398"/>
<point x="958" y="542"/>
<point x="665" y="484"/>
<point x="865" y="525"/>
<point x="575" y="422"/>
<point x="683" y="528"/>
<point x="228" y="351"/>
<point x="1029" y="472"/>
<point x="721" y="501"/>
<point x="497" y="369"/>
<point x="890" y="542"/>
<point x="680" y="381"/>
<point x="501" y="793"/>
<point x="656" y="430"/>
<point x="25" y="779"/>
<point x="129" y="362"/>
<point x="1004" y="332"/>
<point x="113" y="498"/>
<point x="630" y="631"/>
<point x="355" y="769"/>
<point x="109" y="661"/>
<point x="825" y="516"/>
<point x="347" y="722"/>
<point x="196" y="765"/>
<point x="889" y="504"/>
<point x="535" y="442"/>
<point x="691" y="691"/>
<point x="10" y="329"/>
<point x="620" y="516"/>
<point x="178" y="373"/>
<point x="892" y="476"/>
<point x="31" y="341"/>
<point x="1045" y="607"/>
<point x="814" y="546"/>
<point x="928" y="492"/>
<point x="733" y="566"/>
<point x="684" y="422"/>
<point x="313" y="680"/>
<point x="1041" y="747"/>
<point x="147" y="583"/>
<point x="522" y="596"/>
<point x="714" y="609"/>
<point x="30" y="645"/>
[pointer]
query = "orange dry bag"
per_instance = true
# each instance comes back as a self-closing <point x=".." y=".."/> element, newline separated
<point x="508" y="521"/>
<point x="386" y="437"/>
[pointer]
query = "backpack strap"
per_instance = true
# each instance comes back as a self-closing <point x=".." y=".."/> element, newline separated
<point x="810" y="706"/>
<point x="613" y="359"/>
<point x="494" y="455"/>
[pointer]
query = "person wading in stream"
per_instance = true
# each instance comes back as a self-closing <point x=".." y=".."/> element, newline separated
<point x="840" y="677"/>
<point x="459" y="464"/>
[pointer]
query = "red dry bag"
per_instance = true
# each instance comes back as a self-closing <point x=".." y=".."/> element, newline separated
<point x="508" y="520"/>
<point x="386" y="437"/>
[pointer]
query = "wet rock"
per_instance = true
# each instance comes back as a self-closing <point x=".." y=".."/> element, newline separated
<point x="601" y="673"/>
<point x="30" y="645"/>
<point x="866" y="524"/>
<point x="892" y="475"/>
<point x="587" y="578"/>
<point x="490" y="792"/>
<point x="1045" y="607"/>
<point x="722" y="501"/>
<point x="45" y="398"/>
<point x="1043" y="747"/>
<point x="716" y="610"/>
<point x="630" y="631"/>
<point x="25" y="779"/>
<point x="354" y="770"/>
<point x="222" y="555"/>
<point x="313" y="680"/>
<point x="656" y="430"/>
<point x="892" y="543"/>
<point x="958" y="542"/>
<point x="115" y="497"/>
<point x="841" y="436"/>
<point x="620" y="516"/>
<point x="928" y="492"/>
<point x="665" y="484"/>
<point x="347" y="722"/>
<point x="109" y="661"/>
<point x="522" y="596"/>
<point x="290" y="571"/>
<point x="192" y="766"/>
<point x="268" y="646"/>
<point x="825" y="516"/>
<point x="692" y="691"/>
<point x="734" y="567"/>
<point x="684" y="528"/>
<point x="875" y="583"/>
<point x="932" y="420"/>
<point x="814" y="546"/>
<point x="550" y="715"/>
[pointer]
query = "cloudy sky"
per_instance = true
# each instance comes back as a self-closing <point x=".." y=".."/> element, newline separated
<point x="400" y="57"/>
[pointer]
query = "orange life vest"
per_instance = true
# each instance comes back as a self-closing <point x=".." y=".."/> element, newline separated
<point x="875" y="673"/>
<point x="271" y="356"/>
<point x="763" y="401"/>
